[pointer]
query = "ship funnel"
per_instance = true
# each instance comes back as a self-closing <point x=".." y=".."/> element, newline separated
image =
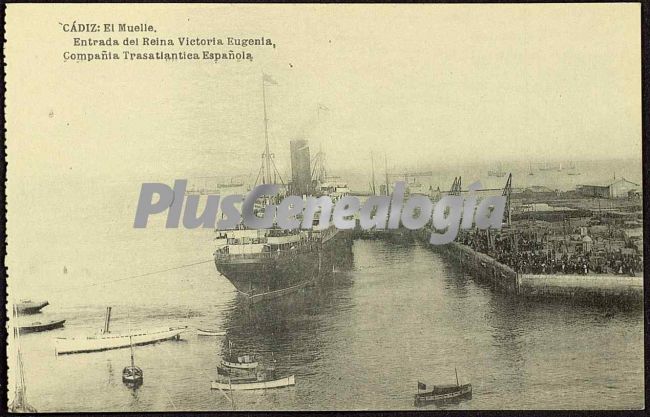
<point x="301" y="182"/>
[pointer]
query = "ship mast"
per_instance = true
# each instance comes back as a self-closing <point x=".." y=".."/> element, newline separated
<point x="19" y="404"/>
<point x="386" y="168"/>
<point x="267" y="157"/>
<point x="319" y="172"/>
<point x="372" y="162"/>
<point x="132" y="359"/>
<point x="267" y="153"/>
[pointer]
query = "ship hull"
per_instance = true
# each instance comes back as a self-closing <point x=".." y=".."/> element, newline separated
<point x="274" y="273"/>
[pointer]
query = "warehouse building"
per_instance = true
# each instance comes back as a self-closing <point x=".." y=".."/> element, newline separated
<point x="621" y="188"/>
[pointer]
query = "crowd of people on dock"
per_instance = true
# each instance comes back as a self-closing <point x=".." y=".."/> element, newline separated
<point x="530" y="257"/>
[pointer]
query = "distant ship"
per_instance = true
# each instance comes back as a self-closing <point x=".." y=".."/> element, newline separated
<point x="231" y="184"/>
<point x="202" y="191"/>
<point x="547" y="167"/>
<point x="573" y="169"/>
<point x="498" y="172"/>
<point x="269" y="263"/>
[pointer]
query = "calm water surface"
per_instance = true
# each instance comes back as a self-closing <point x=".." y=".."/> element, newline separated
<point x="361" y="341"/>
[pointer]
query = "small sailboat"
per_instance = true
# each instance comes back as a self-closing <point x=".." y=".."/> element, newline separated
<point x="498" y="172"/>
<point x="546" y="167"/>
<point x="132" y="375"/>
<point x="443" y="393"/>
<point x="530" y="169"/>
<point x="19" y="403"/>
<point x="573" y="170"/>
<point x="204" y="332"/>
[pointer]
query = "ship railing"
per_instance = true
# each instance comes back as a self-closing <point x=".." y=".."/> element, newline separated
<point x="252" y="255"/>
<point x="258" y="255"/>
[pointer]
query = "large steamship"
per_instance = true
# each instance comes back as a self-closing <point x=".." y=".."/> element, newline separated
<point x="266" y="263"/>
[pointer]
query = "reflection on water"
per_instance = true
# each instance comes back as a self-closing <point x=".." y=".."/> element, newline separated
<point x="390" y="316"/>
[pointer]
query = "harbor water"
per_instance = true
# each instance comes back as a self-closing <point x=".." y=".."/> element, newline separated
<point x="402" y="314"/>
<point x="396" y="315"/>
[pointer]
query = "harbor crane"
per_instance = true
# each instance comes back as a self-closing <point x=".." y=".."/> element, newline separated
<point x="456" y="189"/>
<point x="507" y="190"/>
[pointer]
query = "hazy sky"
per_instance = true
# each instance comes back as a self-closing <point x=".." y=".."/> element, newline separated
<point x="426" y="84"/>
<point x="432" y="86"/>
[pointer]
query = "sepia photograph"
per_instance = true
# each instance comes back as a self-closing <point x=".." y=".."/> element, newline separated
<point x="323" y="207"/>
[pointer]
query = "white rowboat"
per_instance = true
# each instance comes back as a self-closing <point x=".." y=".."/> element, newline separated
<point x="277" y="383"/>
<point x="201" y="332"/>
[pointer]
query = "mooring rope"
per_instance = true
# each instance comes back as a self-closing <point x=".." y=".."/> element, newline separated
<point x="146" y="274"/>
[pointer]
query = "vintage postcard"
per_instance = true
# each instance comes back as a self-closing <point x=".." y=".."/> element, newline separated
<point x="269" y="207"/>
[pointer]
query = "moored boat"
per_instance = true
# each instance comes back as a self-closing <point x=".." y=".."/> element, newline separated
<point x="203" y="332"/>
<point x="240" y="362"/>
<point x="443" y="393"/>
<point x="132" y="375"/>
<point x="30" y="307"/>
<point x="247" y="362"/>
<point x="107" y="340"/>
<point x="37" y="326"/>
<point x="256" y="385"/>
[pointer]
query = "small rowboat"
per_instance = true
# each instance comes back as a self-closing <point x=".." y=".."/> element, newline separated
<point x="132" y="375"/>
<point x="277" y="383"/>
<point x="30" y="307"/>
<point x="37" y="326"/>
<point x="202" y="332"/>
